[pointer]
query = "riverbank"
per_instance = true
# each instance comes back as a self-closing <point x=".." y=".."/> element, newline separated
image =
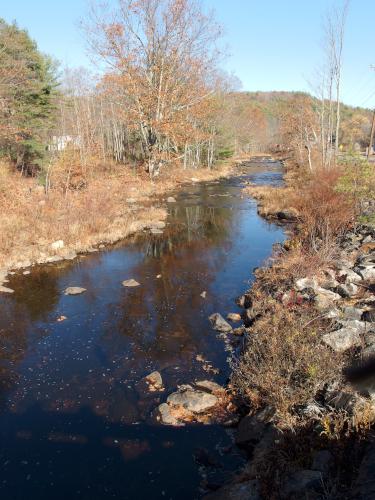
<point x="43" y="227"/>
<point x="305" y="374"/>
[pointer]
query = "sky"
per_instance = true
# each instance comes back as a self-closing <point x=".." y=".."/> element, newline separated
<point x="271" y="44"/>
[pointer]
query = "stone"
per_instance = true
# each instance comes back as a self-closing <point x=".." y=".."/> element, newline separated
<point x="343" y="339"/>
<point x="322" y="461"/>
<point x="367" y="239"/>
<point x="209" y="386"/>
<point x="74" y="290"/>
<point x="369" y="316"/>
<point x="4" y="289"/>
<point x="219" y="324"/>
<point x="154" y="380"/>
<point x="154" y="230"/>
<point x="170" y="199"/>
<point x="26" y="273"/>
<point x="364" y="486"/>
<point x="368" y="273"/>
<point x="235" y="317"/>
<point x="165" y="415"/>
<point x="299" y="483"/>
<point x="247" y="490"/>
<point x="305" y="283"/>
<point x="352" y="313"/>
<point x="348" y="290"/>
<point x="249" y="431"/>
<point x="131" y="200"/>
<point x="350" y="275"/>
<point x="158" y="225"/>
<point x="194" y="179"/>
<point x="203" y="295"/>
<point x="56" y="245"/>
<point x="193" y="401"/>
<point x="130" y="283"/>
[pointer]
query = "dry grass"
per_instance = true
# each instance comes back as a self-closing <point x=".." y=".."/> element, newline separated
<point x="84" y="207"/>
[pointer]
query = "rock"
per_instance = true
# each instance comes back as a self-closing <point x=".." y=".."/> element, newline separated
<point x="219" y="324"/>
<point x="158" y="276"/>
<point x="235" y="317"/>
<point x="322" y="461"/>
<point x="156" y="231"/>
<point x="348" y="290"/>
<point x="4" y="289"/>
<point x="350" y="275"/>
<point x="56" y="245"/>
<point x="131" y="200"/>
<point x="239" y="332"/>
<point x="203" y="295"/>
<point x="324" y="298"/>
<point x="369" y="316"/>
<point x="364" y="486"/>
<point x="130" y="283"/>
<point x="249" y="431"/>
<point x="52" y="258"/>
<point x="343" y="339"/>
<point x="170" y="199"/>
<point x="368" y="239"/>
<point x="209" y="385"/>
<point x="248" y="490"/>
<point x="194" y="179"/>
<point x="343" y="400"/>
<point x="165" y="415"/>
<point x="352" y="313"/>
<point x="368" y="273"/>
<point x="301" y="482"/>
<point x="193" y="401"/>
<point x="26" y="273"/>
<point x="154" y="381"/>
<point x="305" y="283"/>
<point x="74" y="290"/>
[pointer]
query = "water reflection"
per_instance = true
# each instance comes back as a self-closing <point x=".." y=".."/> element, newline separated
<point x="75" y="384"/>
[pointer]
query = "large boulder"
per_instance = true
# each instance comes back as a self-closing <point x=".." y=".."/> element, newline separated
<point x="345" y="338"/>
<point x="219" y="324"/>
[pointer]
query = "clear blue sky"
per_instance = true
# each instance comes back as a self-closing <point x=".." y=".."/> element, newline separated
<point x="273" y="44"/>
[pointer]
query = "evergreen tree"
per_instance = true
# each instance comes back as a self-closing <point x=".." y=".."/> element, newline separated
<point x="27" y="95"/>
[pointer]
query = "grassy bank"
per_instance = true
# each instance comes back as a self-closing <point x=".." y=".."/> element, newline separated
<point x="82" y="209"/>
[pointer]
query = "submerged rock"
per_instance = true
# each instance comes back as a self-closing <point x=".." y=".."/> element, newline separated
<point x="166" y="416"/>
<point x="154" y="381"/>
<point x="305" y="283"/>
<point x="130" y="283"/>
<point x="235" y="317"/>
<point x="219" y="324"/>
<point x="74" y="290"/>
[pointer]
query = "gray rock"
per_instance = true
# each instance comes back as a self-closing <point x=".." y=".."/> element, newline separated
<point x="194" y="401"/>
<point x="324" y="298"/>
<point x="219" y="324"/>
<point x="165" y="415"/>
<point x="249" y="431"/>
<point x="347" y="290"/>
<point x="130" y="283"/>
<point x="301" y="482"/>
<point x="209" y="385"/>
<point x="369" y="316"/>
<point x="367" y="239"/>
<point x="350" y="275"/>
<point x="364" y="487"/>
<point x="343" y="339"/>
<point x="203" y="294"/>
<point x="4" y="289"/>
<point x="305" y="283"/>
<point x="322" y="461"/>
<point x="154" y="230"/>
<point x="352" y="313"/>
<point x="74" y="290"/>
<point x="368" y="273"/>
<point x="170" y="199"/>
<point x="248" y="490"/>
<point x="157" y="225"/>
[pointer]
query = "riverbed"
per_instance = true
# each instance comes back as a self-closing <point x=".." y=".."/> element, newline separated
<point x="75" y="421"/>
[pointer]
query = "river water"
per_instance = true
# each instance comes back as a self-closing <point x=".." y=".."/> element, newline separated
<point x="75" y="423"/>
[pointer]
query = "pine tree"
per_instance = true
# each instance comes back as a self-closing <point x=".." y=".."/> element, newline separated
<point x="28" y="89"/>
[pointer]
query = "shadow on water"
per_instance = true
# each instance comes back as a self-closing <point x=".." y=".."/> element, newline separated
<point x="74" y="420"/>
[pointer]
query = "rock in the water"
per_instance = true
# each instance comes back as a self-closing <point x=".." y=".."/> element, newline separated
<point x="209" y="386"/>
<point x="301" y="483"/>
<point x="165" y="415"/>
<point x="203" y="295"/>
<point x="56" y="245"/>
<point x="130" y="283"/>
<point x="193" y="401"/>
<point x="248" y="490"/>
<point x="219" y="324"/>
<point x="4" y="289"/>
<point x="154" y="381"/>
<point x="74" y="290"/>
<point x="235" y="317"/>
<point x="343" y="339"/>
<point x="324" y="298"/>
<point x="170" y="199"/>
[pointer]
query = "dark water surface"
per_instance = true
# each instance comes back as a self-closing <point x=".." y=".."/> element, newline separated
<point x="74" y="421"/>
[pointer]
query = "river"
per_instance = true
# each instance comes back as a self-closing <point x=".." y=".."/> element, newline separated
<point x="74" y="421"/>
